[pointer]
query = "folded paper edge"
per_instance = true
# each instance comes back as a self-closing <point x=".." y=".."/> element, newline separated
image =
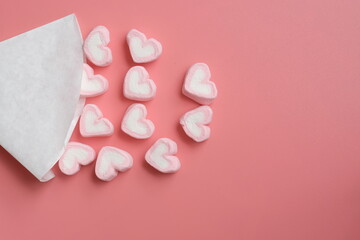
<point x="49" y="174"/>
<point x="47" y="177"/>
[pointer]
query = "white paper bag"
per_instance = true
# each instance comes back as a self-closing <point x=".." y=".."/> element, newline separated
<point x="40" y="77"/>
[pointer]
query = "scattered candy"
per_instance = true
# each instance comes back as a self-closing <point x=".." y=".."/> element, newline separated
<point x="92" y="122"/>
<point x="142" y="49"/>
<point x="95" y="47"/>
<point x="161" y="156"/>
<point x="194" y="123"/>
<point x="135" y="123"/>
<point x="92" y="85"/>
<point x="198" y="86"/>
<point x="75" y="155"/>
<point x="111" y="160"/>
<point x="138" y="86"/>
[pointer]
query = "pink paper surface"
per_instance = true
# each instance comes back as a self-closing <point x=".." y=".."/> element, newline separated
<point x="283" y="158"/>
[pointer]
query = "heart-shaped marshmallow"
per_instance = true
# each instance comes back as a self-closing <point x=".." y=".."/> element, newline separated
<point x="111" y="160"/>
<point x="92" y="122"/>
<point x="76" y="154"/>
<point x="138" y="86"/>
<point x="194" y="123"/>
<point x="198" y="86"/>
<point x="95" y="47"/>
<point x="142" y="49"/>
<point x="92" y="85"/>
<point x="135" y="123"/>
<point x="161" y="156"/>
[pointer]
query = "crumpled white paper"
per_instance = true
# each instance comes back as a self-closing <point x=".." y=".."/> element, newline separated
<point x="40" y="77"/>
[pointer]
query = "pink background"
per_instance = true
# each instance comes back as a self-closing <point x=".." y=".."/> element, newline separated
<point x="283" y="161"/>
